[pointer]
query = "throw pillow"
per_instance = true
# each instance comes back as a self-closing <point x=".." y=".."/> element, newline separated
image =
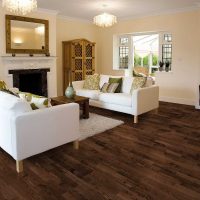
<point x="25" y="96"/>
<point x="138" y="82"/>
<point x="116" y="80"/>
<point x="136" y="74"/>
<point x="109" y="87"/>
<point x="92" y="82"/>
<point x="105" y="87"/>
<point x="36" y="102"/>
<point x="2" y="85"/>
<point x="9" y="92"/>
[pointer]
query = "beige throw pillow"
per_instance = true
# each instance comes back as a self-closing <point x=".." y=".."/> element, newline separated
<point x="138" y="82"/>
<point x="92" y="82"/>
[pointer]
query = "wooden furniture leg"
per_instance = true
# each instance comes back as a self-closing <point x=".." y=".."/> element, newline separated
<point x="135" y="119"/>
<point x="86" y="110"/>
<point x="76" y="144"/>
<point x="19" y="166"/>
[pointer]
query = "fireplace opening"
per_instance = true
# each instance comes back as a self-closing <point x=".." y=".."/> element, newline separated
<point x="31" y="83"/>
<point x="31" y="80"/>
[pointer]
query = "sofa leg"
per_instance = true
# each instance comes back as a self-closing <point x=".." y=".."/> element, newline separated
<point x="135" y="119"/>
<point x="76" y="144"/>
<point x="19" y="166"/>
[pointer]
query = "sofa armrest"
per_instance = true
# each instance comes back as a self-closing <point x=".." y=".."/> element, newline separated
<point x="38" y="131"/>
<point x="78" y="85"/>
<point x="145" y="99"/>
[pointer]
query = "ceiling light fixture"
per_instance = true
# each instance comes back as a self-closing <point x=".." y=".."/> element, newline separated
<point x="19" y="7"/>
<point x="105" y="19"/>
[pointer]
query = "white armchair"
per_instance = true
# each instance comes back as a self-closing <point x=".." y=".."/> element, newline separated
<point x="24" y="133"/>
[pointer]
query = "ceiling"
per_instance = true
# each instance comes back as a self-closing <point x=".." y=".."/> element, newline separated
<point x="123" y="9"/>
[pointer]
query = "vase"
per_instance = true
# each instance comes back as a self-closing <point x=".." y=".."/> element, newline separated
<point x="70" y="92"/>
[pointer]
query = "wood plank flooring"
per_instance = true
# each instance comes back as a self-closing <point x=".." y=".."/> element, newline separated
<point x="157" y="159"/>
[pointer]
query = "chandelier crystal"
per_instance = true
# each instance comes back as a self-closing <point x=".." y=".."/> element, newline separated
<point x="19" y="7"/>
<point x="105" y="20"/>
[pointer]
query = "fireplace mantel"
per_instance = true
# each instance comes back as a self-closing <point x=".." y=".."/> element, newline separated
<point x="28" y="63"/>
<point x="20" y="58"/>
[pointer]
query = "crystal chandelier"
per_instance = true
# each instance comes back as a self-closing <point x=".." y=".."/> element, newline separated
<point x="19" y="7"/>
<point x="105" y="20"/>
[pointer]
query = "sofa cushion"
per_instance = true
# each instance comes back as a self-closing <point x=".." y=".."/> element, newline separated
<point x="138" y="82"/>
<point x="116" y="80"/>
<point x="9" y="92"/>
<point x="36" y="102"/>
<point x="103" y="79"/>
<point x="149" y="82"/>
<point x="2" y="85"/>
<point x="109" y="87"/>
<point x="116" y="98"/>
<point x="92" y="94"/>
<point x="92" y="82"/>
<point x="127" y="84"/>
<point x="10" y="102"/>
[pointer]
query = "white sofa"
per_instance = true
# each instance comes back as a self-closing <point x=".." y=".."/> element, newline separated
<point x="140" y="101"/>
<point x="24" y="133"/>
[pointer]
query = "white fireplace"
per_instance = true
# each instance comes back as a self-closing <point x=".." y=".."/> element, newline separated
<point x="29" y="63"/>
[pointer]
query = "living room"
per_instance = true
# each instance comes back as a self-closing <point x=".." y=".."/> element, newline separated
<point x="141" y="142"/>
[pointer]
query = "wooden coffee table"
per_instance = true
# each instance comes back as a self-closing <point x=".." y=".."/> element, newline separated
<point x="82" y="101"/>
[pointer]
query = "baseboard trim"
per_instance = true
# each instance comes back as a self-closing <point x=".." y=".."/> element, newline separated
<point x="197" y="107"/>
<point x="178" y="100"/>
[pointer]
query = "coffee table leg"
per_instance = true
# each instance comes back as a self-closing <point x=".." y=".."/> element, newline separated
<point x="86" y="110"/>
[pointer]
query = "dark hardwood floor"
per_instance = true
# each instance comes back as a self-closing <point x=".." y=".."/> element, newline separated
<point x="159" y="159"/>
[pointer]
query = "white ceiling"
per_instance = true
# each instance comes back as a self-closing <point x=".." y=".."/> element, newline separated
<point x="123" y="9"/>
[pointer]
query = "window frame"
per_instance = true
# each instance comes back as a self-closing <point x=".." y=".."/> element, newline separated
<point x="116" y="47"/>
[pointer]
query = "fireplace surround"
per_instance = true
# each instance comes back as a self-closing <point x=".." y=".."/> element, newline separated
<point x="32" y="65"/>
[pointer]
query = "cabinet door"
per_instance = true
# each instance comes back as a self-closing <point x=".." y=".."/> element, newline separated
<point x="89" y="59"/>
<point x="77" y="61"/>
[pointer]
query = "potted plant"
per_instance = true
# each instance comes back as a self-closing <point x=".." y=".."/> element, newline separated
<point x="167" y="66"/>
<point x="161" y="64"/>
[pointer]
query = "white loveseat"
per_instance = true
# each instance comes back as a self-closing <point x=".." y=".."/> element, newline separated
<point x="24" y="133"/>
<point x="140" y="101"/>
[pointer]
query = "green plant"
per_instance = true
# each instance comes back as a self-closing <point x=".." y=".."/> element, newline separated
<point x="137" y="60"/>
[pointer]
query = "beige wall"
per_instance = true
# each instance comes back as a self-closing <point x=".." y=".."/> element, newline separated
<point x="180" y="85"/>
<point x="69" y="30"/>
<point x="52" y="33"/>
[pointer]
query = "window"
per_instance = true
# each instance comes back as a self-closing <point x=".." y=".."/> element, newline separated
<point x="142" y="51"/>
<point x="124" y="53"/>
<point x="167" y="53"/>
<point x="167" y="48"/>
<point x="167" y="37"/>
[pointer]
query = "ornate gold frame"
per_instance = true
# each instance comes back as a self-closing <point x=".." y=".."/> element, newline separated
<point x="26" y="51"/>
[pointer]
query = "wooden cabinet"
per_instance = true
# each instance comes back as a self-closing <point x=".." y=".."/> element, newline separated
<point x="79" y="58"/>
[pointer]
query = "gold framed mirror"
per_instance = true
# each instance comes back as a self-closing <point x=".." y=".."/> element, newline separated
<point x="26" y="35"/>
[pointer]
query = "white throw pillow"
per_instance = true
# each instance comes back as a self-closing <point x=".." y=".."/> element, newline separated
<point x="103" y="79"/>
<point x="127" y="84"/>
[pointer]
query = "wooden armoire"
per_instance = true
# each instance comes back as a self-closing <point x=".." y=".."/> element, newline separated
<point x="79" y="58"/>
